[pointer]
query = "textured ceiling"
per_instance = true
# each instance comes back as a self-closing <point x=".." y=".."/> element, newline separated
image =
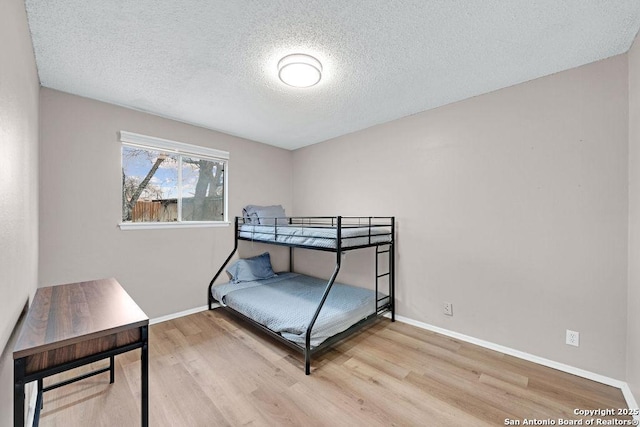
<point x="213" y="62"/>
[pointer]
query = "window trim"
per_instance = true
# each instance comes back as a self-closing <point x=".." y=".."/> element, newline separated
<point x="171" y="146"/>
<point x="183" y="149"/>
<point x="174" y="224"/>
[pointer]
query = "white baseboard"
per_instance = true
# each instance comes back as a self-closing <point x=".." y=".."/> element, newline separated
<point x="179" y="314"/>
<point x="631" y="401"/>
<point x="623" y="386"/>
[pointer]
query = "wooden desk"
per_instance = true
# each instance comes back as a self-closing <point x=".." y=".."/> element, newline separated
<point x="68" y="326"/>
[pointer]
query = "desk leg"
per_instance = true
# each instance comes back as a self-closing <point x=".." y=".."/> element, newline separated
<point x="18" y="392"/>
<point x="112" y="370"/>
<point x="145" y="376"/>
<point x="40" y="392"/>
<point x="39" y="403"/>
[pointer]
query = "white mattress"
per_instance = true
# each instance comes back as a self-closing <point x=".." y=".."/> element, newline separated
<point x="316" y="236"/>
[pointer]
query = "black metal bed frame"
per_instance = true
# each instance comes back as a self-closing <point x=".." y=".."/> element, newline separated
<point x="383" y="305"/>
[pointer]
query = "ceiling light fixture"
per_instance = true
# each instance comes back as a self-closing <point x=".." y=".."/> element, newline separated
<point x="299" y="70"/>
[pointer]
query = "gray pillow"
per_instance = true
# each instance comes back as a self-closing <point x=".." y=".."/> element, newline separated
<point x="250" y="269"/>
<point x="267" y="215"/>
<point x="250" y="215"/>
<point x="264" y="215"/>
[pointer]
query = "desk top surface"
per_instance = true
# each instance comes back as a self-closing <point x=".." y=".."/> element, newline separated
<point x="67" y="314"/>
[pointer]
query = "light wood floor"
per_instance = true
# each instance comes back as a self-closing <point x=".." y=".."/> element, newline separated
<point x="209" y="369"/>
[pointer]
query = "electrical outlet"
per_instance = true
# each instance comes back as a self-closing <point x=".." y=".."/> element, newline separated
<point x="448" y="309"/>
<point x="573" y="338"/>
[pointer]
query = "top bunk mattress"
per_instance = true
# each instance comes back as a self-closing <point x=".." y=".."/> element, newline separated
<point x="318" y="237"/>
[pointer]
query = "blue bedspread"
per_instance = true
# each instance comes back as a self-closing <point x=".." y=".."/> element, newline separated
<point x="286" y="303"/>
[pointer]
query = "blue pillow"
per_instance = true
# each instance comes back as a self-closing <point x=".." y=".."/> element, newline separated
<point x="250" y="269"/>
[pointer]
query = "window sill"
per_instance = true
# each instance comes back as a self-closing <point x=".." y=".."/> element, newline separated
<point x="164" y="225"/>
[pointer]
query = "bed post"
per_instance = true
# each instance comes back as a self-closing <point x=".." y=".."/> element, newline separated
<point x="392" y="269"/>
<point x="235" y="248"/>
<point x="291" y="259"/>
<point x="307" y="349"/>
<point x="290" y="252"/>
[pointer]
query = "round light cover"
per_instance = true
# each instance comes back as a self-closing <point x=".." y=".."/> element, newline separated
<point x="299" y="70"/>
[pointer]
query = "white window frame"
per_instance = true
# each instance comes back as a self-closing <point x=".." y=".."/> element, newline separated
<point x="131" y="139"/>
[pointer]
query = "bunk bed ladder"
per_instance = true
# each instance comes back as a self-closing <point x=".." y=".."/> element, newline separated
<point x="382" y="250"/>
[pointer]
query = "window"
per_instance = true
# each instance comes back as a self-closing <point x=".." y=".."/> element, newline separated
<point x="171" y="184"/>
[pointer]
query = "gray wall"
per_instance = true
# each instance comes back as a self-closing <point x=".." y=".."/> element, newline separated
<point x="633" y="301"/>
<point x="165" y="271"/>
<point x="19" y="88"/>
<point x="511" y="205"/>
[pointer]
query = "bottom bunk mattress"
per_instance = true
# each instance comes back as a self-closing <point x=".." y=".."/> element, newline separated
<point x="286" y="303"/>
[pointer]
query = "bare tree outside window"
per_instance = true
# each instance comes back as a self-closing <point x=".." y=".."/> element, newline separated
<point x="167" y="187"/>
<point x="202" y="191"/>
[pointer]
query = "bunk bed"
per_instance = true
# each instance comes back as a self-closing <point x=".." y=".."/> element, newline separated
<point x="306" y="313"/>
